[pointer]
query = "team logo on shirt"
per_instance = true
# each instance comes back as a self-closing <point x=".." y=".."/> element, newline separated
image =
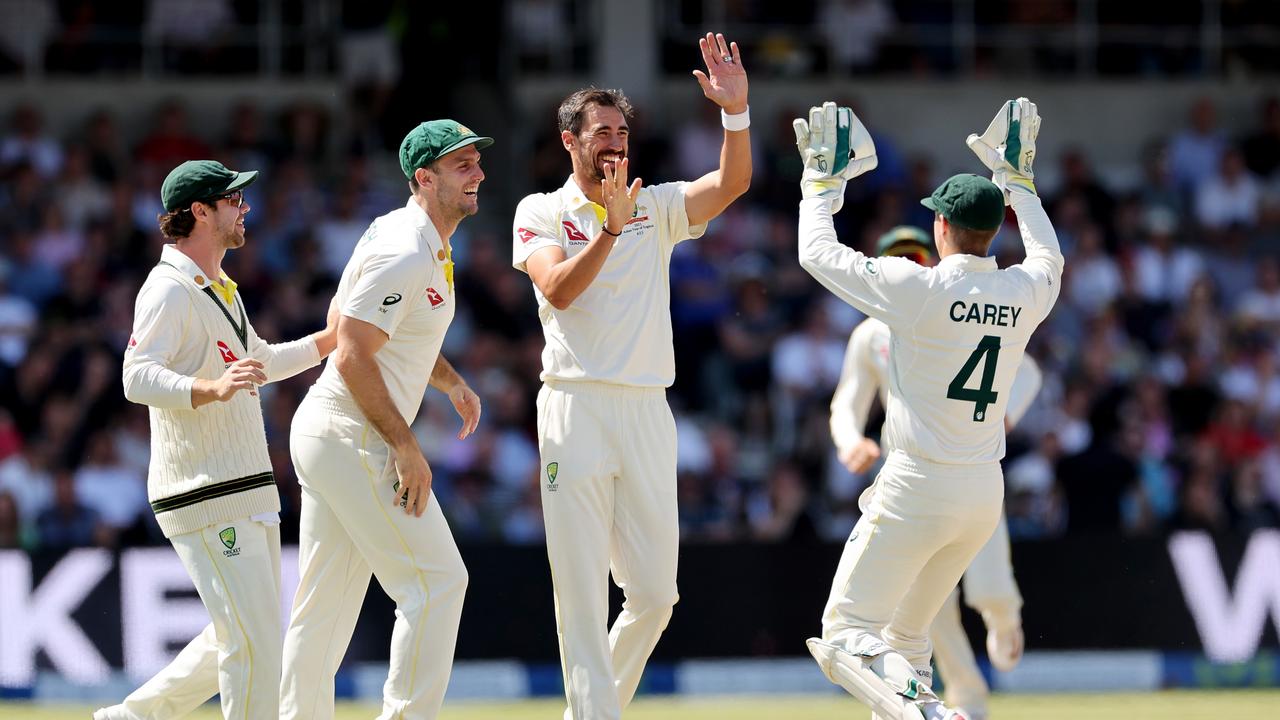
<point x="228" y="357"/>
<point x="552" y="470"/>
<point x="434" y="298"/>
<point x="576" y="237"/>
<point x="526" y="234"/>
<point x="228" y="538"/>
<point x="871" y="267"/>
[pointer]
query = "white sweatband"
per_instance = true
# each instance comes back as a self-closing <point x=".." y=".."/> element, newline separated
<point x="741" y="121"/>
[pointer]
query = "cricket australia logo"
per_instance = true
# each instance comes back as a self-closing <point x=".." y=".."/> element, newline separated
<point x="228" y="538"/>
<point x="552" y="470"/>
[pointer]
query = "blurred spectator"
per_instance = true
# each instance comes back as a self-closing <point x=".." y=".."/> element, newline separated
<point x="26" y="477"/>
<point x="1163" y="270"/>
<point x="1228" y="196"/>
<point x="192" y="33"/>
<point x="17" y="320"/>
<point x="115" y="492"/>
<point x="1093" y="278"/>
<point x="171" y="141"/>
<point x="82" y="198"/>
<point x="68" y="523"/>
<point x="1196" y="153"/>
<point x="27" y="143"/>
<point x="853" y="30"/>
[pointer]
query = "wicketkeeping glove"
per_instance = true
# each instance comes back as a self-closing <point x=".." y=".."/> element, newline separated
<point x="835" y="148"/>
<point x="1008" y="146"/>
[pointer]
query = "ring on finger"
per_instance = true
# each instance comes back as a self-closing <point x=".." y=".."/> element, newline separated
<point x="727" y="58"/>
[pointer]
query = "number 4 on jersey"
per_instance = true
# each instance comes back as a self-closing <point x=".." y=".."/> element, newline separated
<point x="987" y="352"/>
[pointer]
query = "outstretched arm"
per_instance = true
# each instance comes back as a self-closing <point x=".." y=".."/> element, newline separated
<point x="725" y="84"/>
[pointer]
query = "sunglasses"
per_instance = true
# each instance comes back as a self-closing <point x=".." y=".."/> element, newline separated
<point x="235" y="196"/>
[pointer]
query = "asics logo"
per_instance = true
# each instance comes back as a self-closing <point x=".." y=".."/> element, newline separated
<point x="391" y="299"/>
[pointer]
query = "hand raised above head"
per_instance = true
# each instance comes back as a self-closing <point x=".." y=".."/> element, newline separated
<point x="725" y="81"/>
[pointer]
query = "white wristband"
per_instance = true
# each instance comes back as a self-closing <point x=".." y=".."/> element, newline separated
<point x="741" y="121"/>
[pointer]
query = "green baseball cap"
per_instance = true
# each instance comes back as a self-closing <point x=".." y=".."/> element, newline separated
<point x="968" y="201"/>
<point x="434" y="139"/>
<point x="903" y="235"/>
<point x="200" y="180"/>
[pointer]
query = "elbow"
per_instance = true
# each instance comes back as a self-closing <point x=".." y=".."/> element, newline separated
<point x="560" y="302"/>
<point x="132" y="388"/>
<point x="346" y="361"/>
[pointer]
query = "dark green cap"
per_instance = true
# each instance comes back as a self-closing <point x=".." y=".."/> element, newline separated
<point x="968" y="201"/>
<point x="434" y="139"/>
<point x="200" y="180"/>
<point x="902" y="235"/>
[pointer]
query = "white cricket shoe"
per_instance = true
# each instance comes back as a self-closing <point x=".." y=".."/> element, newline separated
<point x="1004" y="647"/>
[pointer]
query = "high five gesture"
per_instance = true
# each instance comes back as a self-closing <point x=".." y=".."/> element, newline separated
<point x="725" y="81"/>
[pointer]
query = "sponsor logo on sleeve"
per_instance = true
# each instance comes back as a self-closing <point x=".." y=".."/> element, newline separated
<point x="525" y="234"/>
<point x="434" y="298"/>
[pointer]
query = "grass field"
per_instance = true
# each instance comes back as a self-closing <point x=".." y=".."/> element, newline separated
<point x="1168" y="705"/>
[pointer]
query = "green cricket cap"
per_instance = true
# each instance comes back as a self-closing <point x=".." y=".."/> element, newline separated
<point x="200" y="180"/>
<point x="904" y="235"/>
<point x="968" y="201"/>
<point x="434" y="139"/>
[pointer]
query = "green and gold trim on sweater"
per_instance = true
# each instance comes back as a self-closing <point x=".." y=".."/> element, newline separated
<point x="217" y="490"/>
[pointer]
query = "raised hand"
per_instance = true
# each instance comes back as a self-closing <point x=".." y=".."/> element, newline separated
<point x="1008" y="146"/>
<point x="725" y="81"/>
<point x="834" y="147"/>
<point x="619" y="200"/>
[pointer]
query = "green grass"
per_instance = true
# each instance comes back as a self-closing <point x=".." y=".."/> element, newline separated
<point x="1182" y="705"/>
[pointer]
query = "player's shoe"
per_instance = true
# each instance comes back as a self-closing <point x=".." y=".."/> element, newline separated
<point x="1004" y="647"/>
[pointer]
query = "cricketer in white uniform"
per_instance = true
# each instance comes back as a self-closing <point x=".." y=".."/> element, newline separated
<point x="195" y="359"/>
<point x="598" y="252"/>
<point x="959" y="330"/>
<point x="989" y="586"/>
<point x="367" y="505"/>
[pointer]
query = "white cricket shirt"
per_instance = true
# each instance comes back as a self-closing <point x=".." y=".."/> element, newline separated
<point x="959" y="329"/>
<point x="396" y="280"/>
<point x="866" y="372"/>
<point x="619" y="329"/>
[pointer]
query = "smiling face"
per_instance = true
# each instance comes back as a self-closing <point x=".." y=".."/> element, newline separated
<point x="602" y="140"/>
<point x="453" y="182"/>
<point x="225" y="219"/>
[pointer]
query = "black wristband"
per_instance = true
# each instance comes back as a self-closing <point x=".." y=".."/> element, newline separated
<point x="605" y="229"/>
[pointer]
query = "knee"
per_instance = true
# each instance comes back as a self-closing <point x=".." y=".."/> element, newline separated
<point x="655" y="601"/>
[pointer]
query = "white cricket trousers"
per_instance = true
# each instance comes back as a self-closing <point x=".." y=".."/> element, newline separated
<point x="350" y="527"/>
<point x="236" y="570"/>
<point x="922" y="524"/>
<point x="609" y="503"/>
<point x="990" y="589"/>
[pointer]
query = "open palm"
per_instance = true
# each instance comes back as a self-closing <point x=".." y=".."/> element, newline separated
<point x="724" y="82"/>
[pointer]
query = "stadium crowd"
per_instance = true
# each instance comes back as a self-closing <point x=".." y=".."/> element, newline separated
<point x="1160" y="409"/>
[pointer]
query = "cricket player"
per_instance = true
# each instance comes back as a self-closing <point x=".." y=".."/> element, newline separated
<point x="958" y="332"/>
<point x="598" y="251"/>
<point x="367" y="505"/>
<point x="196" y="361"/>
<point x="989" y="586"/>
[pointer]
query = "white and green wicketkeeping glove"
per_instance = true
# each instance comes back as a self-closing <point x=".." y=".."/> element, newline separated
<point x="1008" y="146"/>
<point x="835" y="148"/>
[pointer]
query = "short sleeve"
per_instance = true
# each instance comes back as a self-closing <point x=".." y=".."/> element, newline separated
<point x="390" y="284"/>
<point x="534" y="228"/>
<point x="668" y="200"/>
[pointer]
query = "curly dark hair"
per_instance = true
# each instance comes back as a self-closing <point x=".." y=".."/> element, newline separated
<point x="575" y="106"/>
<point x="178" y="223"/>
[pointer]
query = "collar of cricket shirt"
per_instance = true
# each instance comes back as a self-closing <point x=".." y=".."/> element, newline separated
<point x="968" y="262"/>
<point x="574" y="199"/>
<point x="225" y="287"/>
<point x="435" y="245"/>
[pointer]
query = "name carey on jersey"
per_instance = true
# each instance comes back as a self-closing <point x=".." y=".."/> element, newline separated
<point x="985" y="313"/>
